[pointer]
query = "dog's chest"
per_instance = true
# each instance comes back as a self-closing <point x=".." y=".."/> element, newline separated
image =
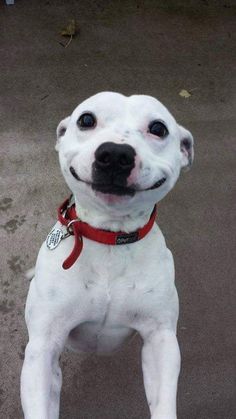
<point x="111" y="290"/>
<point x="108" y="289"/>
<point x="110" y="280"/>
<point x="120" y="290"/>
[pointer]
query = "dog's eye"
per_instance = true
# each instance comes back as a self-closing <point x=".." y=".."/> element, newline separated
<point x="86" y="121"/>
<point x="158" y="128"/>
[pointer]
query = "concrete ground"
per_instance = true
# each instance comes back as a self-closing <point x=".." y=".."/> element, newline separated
<point x="153" y="47"/>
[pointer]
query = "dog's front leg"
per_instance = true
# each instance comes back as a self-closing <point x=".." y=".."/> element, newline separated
<point x="161" y="365"/>
<point x="41" y="375"/>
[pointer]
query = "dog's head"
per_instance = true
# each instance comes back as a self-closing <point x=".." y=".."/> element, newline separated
<point x="122" y="152"/>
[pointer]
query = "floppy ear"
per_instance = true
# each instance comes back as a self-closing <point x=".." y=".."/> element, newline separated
<point x="186" y="147"/>
<point x="61" y="130"/>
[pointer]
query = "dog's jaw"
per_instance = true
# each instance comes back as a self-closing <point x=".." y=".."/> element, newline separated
<point x="111" y="212"/>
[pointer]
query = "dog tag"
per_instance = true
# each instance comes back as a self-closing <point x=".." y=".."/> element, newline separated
<point x="54" y="238"/>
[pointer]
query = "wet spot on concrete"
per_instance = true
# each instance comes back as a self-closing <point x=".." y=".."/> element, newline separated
<point x="12" y="225"/>
<point x="16" y="264"/>
<point x="22" y="352"/>
<point x="64" y="364"/>
<point x="5" y="204"/>
<point x="1" y="397"/>
<point x="6" y="306"/>
<point x="75" y="380"/>
<point x="5" y="287"/>
<point x="6" y="284"/>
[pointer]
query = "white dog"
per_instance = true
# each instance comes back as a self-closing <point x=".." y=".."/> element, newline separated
<point x="104" y="271"/>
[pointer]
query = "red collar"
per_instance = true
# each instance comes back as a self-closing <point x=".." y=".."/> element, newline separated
<point x="68" y="217"/>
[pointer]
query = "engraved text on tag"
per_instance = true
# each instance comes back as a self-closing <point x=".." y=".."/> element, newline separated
<point x="54" y="238"/>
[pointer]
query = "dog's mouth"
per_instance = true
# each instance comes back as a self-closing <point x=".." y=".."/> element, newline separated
<point x="157" y="184"/>
<point x="114" y="189"/>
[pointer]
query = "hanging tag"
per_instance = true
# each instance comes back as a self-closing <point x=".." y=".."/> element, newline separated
<point x="54" y="237"/>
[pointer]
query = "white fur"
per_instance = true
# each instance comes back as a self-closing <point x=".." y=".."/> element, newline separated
<point x="111" y="291"/>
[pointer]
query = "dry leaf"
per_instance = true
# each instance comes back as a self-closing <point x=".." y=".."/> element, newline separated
<point x="184" y="93"/>
<point x="70" y="29"/>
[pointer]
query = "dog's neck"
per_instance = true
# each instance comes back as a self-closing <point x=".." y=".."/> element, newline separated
<point x="111" y="221"/>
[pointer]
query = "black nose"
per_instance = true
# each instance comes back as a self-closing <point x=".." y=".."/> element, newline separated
<point x="115" y="157"/>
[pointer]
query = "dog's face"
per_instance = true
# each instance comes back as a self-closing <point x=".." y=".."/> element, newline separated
<point x="122" y="152"/>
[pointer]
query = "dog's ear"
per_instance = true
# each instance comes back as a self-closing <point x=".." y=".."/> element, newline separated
<point x="61" y="130"/>
<point x="186" y="147"/>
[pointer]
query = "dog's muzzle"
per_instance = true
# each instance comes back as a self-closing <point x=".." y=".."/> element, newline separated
<point x="111" y="168"/>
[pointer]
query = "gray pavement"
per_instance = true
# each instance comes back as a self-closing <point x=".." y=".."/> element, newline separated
<point x="151" y="47"/>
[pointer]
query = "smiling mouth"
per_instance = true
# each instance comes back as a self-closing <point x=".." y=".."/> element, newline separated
<point x="157" y="184"/>
<point x="116" y="189"/>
